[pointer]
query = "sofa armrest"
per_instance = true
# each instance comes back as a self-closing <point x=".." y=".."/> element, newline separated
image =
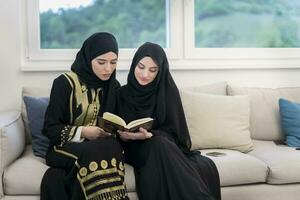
<point x="12" y="140"/>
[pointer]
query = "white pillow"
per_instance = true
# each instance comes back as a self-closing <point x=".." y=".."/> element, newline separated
<point x="216" y="121"/>
<point x="265" y="118"/>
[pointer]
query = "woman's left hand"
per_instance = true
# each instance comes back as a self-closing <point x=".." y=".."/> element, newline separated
<point x="143" y="134"/>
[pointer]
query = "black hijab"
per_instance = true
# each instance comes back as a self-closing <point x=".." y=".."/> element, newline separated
<point x="94" y="46"/>
<point x="159" y="99"/>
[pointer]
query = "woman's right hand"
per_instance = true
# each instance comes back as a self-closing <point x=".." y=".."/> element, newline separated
<point x="93" y="132"/>
<point x="142" y="134"/>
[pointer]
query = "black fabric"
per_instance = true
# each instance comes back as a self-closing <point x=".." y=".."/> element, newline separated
<point x="159" y="99"/>
<point x="53" y="185"/>
<point x="165" y="167"/>
<point x="97" y="44"/>
<point x="61" y="179"/>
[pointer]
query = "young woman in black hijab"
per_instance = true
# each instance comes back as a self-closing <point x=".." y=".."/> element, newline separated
<point x="166" y="168"/>
<point x="86" y="162"/>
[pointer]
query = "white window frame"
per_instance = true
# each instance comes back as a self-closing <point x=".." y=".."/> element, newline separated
<point x="182" y="53"/>
<point x="234" y="57"/>
<point x="37" y="59"/>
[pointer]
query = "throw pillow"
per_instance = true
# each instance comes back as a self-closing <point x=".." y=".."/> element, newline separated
<point x="36" y="108"/>
<point x="216" y="121"/>
<point x="264" y="112"/>
<point x="290" y="121"/>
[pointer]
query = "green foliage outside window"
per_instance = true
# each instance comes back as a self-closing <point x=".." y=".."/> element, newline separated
<point x="247" y="23"/>
<point x="133" y="22"/>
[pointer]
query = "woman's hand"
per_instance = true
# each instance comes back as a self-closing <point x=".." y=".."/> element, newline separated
<point x="143" y="134"/>
<point x="93" y="132"/>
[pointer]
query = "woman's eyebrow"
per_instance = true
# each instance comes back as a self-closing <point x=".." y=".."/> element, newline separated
<point x="142" y="64"/>
<point x="101" y="59"/>
<point x="150" y="67"/>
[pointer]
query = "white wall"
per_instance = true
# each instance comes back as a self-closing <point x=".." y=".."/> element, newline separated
<point x="12" y="79"/>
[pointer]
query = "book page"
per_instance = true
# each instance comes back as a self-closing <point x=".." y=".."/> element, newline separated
<point x="138" y="121"/>
<point x="114" y="118"/>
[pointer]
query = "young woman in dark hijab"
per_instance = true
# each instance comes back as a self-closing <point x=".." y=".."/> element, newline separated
<point x="165" y="167"/>
<point x="85" y="161"/>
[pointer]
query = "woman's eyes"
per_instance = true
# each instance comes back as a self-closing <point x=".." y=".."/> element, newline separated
<point x="103" y="63"/>
<point x="153" y="70"/>
<point x="141" y="66"/>
<point x="150" y="70"/>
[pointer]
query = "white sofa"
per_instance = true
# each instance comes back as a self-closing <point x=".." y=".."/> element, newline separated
<point x="269" y="172"/>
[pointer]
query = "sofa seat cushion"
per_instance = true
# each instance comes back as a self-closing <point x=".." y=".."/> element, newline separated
<point x="24" y="176"/>
<point x="236" y="168"/>
<point x="283" y="161"/>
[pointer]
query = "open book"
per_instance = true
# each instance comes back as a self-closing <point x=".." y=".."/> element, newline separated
<point x="112" y="123"/>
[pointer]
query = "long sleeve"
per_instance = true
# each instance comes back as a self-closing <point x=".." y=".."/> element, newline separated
<point x="57" y="125"/>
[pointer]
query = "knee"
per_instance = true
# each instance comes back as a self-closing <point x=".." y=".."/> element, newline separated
<point x="159" y="143"/>
<point x="52" y="175"/>
<point x="101" y="145"/>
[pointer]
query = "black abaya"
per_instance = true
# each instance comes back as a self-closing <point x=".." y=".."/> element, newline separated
<point x="165" y="167"/>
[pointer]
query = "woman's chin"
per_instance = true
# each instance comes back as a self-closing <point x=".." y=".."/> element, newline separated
<point x="143" y="82"/>
<point x="104" y="77"/>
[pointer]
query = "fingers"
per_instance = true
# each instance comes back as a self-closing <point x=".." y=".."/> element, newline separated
<point x="102" y="133"/>
<point x="143" y="130"/>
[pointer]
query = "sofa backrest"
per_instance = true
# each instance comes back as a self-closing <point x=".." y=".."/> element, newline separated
<point x="32" y="92"/>
<point x="219" y="88"/>
<point x="264" y="109"/>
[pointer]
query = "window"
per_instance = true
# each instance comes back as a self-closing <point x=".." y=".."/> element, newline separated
<point x="65" y="24"/>
<point x="242" y="33"/>
<point x="247" y="24"/>
<point x="57" y="28"/>
<point x="196" y="34"/>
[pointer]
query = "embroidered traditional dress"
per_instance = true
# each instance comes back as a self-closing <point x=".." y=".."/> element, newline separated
<point x="85" y="169"/>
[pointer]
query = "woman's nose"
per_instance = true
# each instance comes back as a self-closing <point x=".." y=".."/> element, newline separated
<point x="144" y="74"/>
<point x="108" y="67"/>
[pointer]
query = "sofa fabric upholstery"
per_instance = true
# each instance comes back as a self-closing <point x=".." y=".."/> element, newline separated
<point x="269" y="171"/>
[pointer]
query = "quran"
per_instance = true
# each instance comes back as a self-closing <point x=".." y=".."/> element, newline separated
<point x="112" y="123"/>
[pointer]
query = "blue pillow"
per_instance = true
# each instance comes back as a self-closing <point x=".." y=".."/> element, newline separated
<point x="290" y="121"/>
<point x="36" y="108"/>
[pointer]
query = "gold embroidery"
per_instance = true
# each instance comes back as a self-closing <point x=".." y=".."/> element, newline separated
<point x="109" y="191"/>
<point x="71" y="96"/>
<point x="102" y="181"/>
<point x="83" y="88"/>
<point x="121" y="166"/>
<point x="65" y="153"/>
<point x="83" y="171"/>
<point x="102" y="172"/>
<point x="113" y="162"/>
<point x="71" y="133"/>
<point x="113" y="192"/>
<point x="93" y="166"/>
<point x="82" y="187"/>
<point x="90" y="110"/>
<point x="104" y="164"/>
<point x="77" y="164"/>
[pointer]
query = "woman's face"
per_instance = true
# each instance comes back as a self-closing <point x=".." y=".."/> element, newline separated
<point x="104" y="65"/>
<point x="146" y="71"/>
